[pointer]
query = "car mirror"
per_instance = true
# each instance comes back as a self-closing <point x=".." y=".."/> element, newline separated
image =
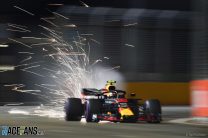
<point x="133" y="94"/>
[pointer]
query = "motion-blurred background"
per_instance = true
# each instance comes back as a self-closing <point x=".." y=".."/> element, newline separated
<point x="160" y="45"/>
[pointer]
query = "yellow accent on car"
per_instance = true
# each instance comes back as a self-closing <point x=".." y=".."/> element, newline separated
<point x="126" y="111"/>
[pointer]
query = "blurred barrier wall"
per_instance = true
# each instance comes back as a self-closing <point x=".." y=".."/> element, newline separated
<point x="199" y="84"/>
<point x="199" y="98"/>
<point x="169" y="93"/>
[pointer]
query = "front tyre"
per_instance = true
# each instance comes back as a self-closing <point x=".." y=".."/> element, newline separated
<point x="152" y="110"/>
<point x="73" y="109"/>
<point x="92" y="106"/>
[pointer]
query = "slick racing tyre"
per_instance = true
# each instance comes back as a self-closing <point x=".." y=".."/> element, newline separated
<point x="73" y="109"/>
<point x="92" y="107"/>
<point x="152" y="110"/>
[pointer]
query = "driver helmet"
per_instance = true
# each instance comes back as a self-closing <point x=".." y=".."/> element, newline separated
<point x="110" y="85"/>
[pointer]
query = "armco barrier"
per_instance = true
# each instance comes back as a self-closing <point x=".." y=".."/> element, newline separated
<point x="199" y="98"/>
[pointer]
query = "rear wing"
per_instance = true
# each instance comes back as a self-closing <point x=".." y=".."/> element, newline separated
<point x="96" y="92"/>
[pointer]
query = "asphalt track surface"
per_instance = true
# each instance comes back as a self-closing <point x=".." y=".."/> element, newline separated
<point x="58" y="128"/>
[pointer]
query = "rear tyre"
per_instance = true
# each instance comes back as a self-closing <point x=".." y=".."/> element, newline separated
<point x="152" y="110"/>
<point x="92" y="106"/>
<point x="73" y="109"/>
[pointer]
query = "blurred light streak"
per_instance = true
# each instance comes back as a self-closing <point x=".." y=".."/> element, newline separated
<point x="20" y="65"/>
<point x="15" y="111"/>
<point x="24" y="10"/>
<point x="116" y="67"/>
<point x="84" y="4"/>
<point x="18" y="27"/>
<point x="44" y="49"/>
<point x="50" y="70"/>
<point x="106" y="57"/>
<point x="32" y="72"/>
<point x="31" y="67"/>
<point x="6" y="67"/>
<point x="55" y="4"/>
<point x="26" y="59"/>
<point x="58" y="14"/>
<point x="38" y="38"/>
<point x="95" y="41"/>
<point x="14" y="104"/>
<point x="4" y="45"/>
<point x="40" y="44"/>
<point x="14" y="30"/>
<point x="113" y="21"/>
<point x="129" y="45"/>
<point x="9" y="85"/>
<point x="19" y="42"/>
<point x="87" y="34"/>
<point x="131" y="24"/>
<point x="70" y="25"/>
<point x="53" y="24"/>
<point x="79" y="43"/>
<point x="30" y="53"/>
<point x="50" y="85"/>
<point x="46" y="87"/>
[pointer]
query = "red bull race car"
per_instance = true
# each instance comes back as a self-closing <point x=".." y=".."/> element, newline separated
<point x="110" y="104"/>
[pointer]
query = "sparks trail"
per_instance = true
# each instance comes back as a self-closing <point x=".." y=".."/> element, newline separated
<point x="19" y="42"/>
<point x="32" y="72"/>
<point x="55" y="4"/>
<point x="60" y="15"/>
<point x="95" y="41"/>
<point x="84" y="4"/>
<point x="18" y="88"/>
<point x="21" y="28"/>
<point x="32" y="63"/>
<point x="70" y="25"/>
<point x="46" y="20"/>
<point x="26" y="59"/>
<point x="65" y="66"/>
<point x="36" y="38"/>
<point x="87" y="34"/>
<point x="40" y="44"/>
<point x="31" y="67"/>
<point x="51" y="85"/>
<point x="24" y="10"/>
<point x="30" y="53"/>
<point x="129" y="45"/>
<point x="44" y="49"/>
<point x="116" y="67"/>
<point x="50" y="70"/>
<point x="14" y="30"/>
<point x="131" y="24"/>
<point x="112" y="21"/>
<point x="106" y="57"/>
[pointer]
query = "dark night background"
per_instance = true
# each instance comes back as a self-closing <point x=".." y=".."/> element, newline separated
<point x="163" y="36"/>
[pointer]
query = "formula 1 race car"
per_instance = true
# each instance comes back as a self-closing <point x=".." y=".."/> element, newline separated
<point x="111" y="105"/>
